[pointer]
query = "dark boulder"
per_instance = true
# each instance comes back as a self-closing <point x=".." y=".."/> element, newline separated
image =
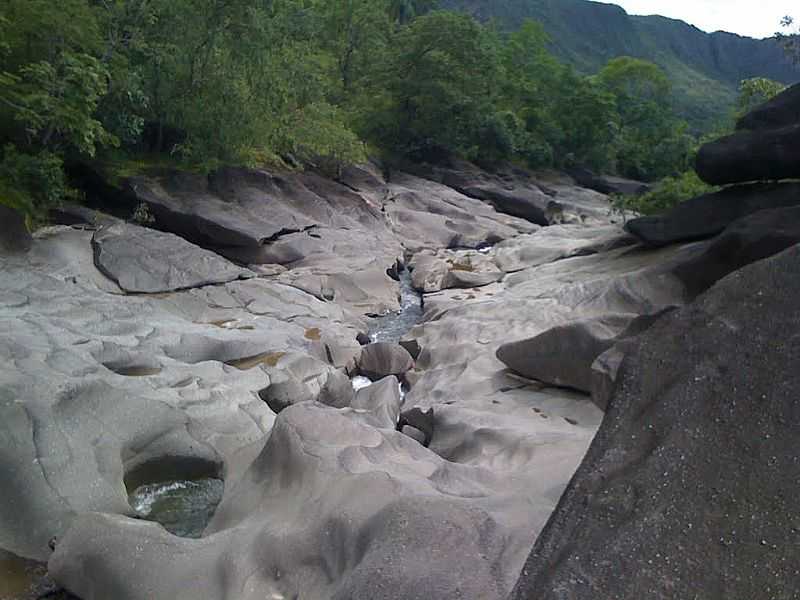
<point x="763" y="155"/>
<point x="689" y="486"/>
<point x="707" y="215"/>
<point x="780" y="111"/>
<point x="14" y="235"/>
<point x="752" y="238"/>
<point x="608" y="184"/>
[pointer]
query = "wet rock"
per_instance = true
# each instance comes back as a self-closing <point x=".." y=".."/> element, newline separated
<point x="142" y="260"/>
<point x="382" y="359"/>
<point x="381" y="400"/>
<point x="706" y="216"/>
<point x="698" y="445"/>
<point x="420" y="420"/>
<point x="14" y="237"/>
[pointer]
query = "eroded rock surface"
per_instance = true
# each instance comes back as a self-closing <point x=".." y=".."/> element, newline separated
<point x="146" y="261"/>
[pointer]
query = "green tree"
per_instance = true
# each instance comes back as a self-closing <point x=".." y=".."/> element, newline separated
<point x="753" y="92"/>
<point x="436" y="88"/>
<point x="651" y="141"/>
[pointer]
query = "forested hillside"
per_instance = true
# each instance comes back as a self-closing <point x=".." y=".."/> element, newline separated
<point x="706" y="69"/>
<point x="296" y="83"/>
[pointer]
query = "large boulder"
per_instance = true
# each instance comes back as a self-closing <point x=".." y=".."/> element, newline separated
<point x="426" y="214"/>
<point x="452" y="269"/>
<point x="762" y="155"/>
<point x="14" y="235"/>
<point x="563" y="355"/>
<point x="147" y="261"/>
<point x="699" y="444"/>
<point x="780" y="111"/>
<point x="523" y="194"/>
<point x="608" y="184"/>
<point x="382" y="359"/>
<point x="707" y="215"/>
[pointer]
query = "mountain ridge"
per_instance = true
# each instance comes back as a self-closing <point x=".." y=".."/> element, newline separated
<point x="706" y="68"/>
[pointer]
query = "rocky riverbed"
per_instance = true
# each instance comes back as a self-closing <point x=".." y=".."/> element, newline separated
<point x="178" y="414"/>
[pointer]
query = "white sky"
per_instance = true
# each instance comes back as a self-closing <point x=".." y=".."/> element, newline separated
<point x="754" y="18"/>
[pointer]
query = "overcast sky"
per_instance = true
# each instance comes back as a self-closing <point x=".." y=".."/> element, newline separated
<point x="755" y="18"/>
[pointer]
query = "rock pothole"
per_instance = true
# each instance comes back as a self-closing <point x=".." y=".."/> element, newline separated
<point x="180" y="493"/>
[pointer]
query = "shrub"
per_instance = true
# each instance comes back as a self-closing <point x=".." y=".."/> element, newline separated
<point x="665" y="195"/>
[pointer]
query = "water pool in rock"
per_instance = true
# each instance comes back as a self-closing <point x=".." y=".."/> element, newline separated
<point x="184" y="508"/>
<point x="392" y="327"/>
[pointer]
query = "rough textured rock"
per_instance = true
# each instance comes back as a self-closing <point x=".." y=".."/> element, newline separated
<point x="382" y="359"/>
<point x="14" y="236"/>
<point x="762" y="155"/>
<point x="780" y="111"/>
<point x="698" y="445"/>
<point x="94" y="384"/>
<point x="706" y="216"/>
<point x="147" y="261"/>
<point x="751" y="238"/>
<point x="607" y="184"/>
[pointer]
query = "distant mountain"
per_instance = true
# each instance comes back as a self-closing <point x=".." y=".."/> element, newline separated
<point x="705" y="68"/>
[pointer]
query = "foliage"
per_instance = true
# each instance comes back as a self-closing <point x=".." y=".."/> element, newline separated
<point x="755" y="91"/>
<point x="203" y="83"/>
<point x="32" y="183"/>
<point x="665" y="195"/>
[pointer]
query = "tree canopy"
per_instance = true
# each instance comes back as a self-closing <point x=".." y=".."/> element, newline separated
<point x="207" y="82"/>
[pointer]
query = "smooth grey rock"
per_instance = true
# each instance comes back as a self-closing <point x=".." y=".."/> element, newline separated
<point x="142" y="260"/>
<point x="427" y="214"/>
<point x="94" y="383"/>
<point x="563" y="355"/>
<point x="382" y="400"/>
<point x="699" y="444"/>
<point x="706" y="216"/>
<point x="556" y="242"/>
<point x="14" y="236"/>
<point x="326" y="506"/>
<point x="382" y="359"/>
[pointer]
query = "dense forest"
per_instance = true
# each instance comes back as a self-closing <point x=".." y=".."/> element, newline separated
<point x="311" y="82"/>
<point x="705" y="69"/>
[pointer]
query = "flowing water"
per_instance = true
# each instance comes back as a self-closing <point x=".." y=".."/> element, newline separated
<point x="184" y="508"/>
<point x="392" y="327"/>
